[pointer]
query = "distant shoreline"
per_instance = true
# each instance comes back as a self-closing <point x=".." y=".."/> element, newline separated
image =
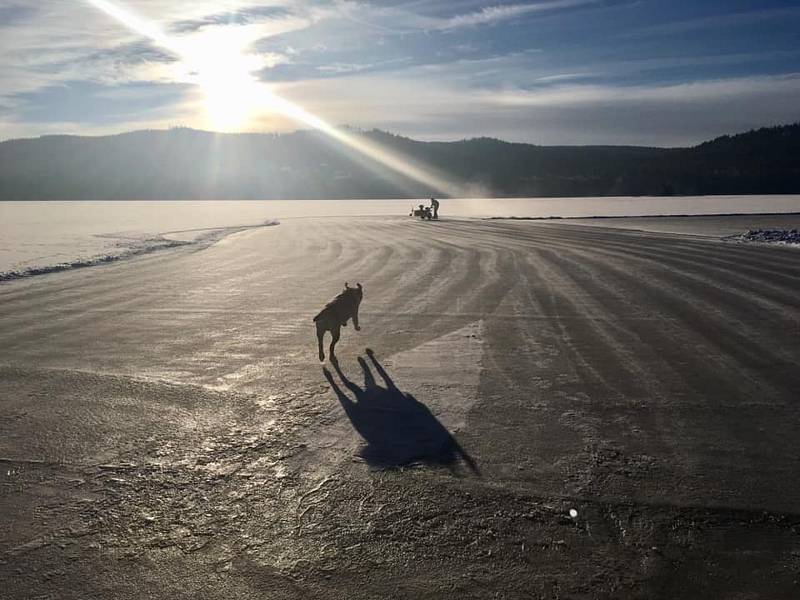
<point x="187" y="164"/>
<point x="664" y="216"/>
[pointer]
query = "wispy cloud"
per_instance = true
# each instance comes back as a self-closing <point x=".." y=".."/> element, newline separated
<point x="557" y="78"/>
<point x="684" y="93"/>
<point x="669" y="115"/>
<point x="504" y="12"/>
<point x="340" y="68"/>
<point x="240" y="17"/>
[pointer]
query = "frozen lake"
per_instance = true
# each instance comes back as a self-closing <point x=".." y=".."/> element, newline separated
<point x="35" y="235"/>
<point x="162" y="418"/>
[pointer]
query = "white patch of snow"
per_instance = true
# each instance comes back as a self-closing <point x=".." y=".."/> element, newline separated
<point x="770" y="236"/>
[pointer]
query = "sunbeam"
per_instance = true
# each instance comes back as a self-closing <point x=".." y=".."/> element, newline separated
<point x="225" y="74"/>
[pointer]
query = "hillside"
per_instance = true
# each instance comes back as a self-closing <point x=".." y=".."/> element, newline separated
<point x="189" y="164"/>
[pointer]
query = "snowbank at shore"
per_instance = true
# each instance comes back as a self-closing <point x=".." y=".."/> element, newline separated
<point x="770" y="236"/>
<point x="114" y="247"/>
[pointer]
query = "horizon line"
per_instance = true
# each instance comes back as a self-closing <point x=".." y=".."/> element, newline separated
<point x="360" y="130"/>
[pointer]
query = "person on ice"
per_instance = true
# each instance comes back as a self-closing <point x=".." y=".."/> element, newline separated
<point x="435" y="207"/>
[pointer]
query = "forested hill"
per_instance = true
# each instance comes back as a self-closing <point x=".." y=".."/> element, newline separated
<point x="188" y="164"/>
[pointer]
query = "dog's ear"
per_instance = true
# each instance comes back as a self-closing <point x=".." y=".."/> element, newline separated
<point x="346" y="285"/>
<point x="359" y="286"/>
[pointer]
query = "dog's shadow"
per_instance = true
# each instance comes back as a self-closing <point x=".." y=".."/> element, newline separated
<point x="397" y="428"/>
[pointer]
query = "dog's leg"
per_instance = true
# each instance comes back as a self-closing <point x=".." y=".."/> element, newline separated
<point x="335" y="333"/>
<point x="320" y="335"/>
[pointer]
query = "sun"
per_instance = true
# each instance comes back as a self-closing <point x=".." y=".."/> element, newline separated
<point x="219" y="63"/>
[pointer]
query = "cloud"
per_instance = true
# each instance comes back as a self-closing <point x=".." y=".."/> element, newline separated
<point x="738" y="19"/>
<point x="666" y="115"/>
<point x="241" y="17"/>
<point x="693" y="93"/>
<point x="12" y="12"/>
<point x="494" y="14"/>
<point x="340" y="68"/>
<point x="565" y="77"/>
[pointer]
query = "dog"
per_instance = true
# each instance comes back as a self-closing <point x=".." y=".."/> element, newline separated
<point x="335" y="316"/>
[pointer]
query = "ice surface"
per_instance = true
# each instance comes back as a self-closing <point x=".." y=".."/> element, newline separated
<point x="42" y="237"/>
<point x="39" y="237"/>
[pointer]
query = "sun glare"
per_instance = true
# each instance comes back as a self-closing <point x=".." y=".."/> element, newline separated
<point x="219" y="63"/>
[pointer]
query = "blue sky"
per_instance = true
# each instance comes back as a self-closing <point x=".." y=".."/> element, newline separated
<point x="652" y="72"/>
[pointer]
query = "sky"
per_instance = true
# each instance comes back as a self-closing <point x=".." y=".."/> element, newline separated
<point x="644" y="72"/>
